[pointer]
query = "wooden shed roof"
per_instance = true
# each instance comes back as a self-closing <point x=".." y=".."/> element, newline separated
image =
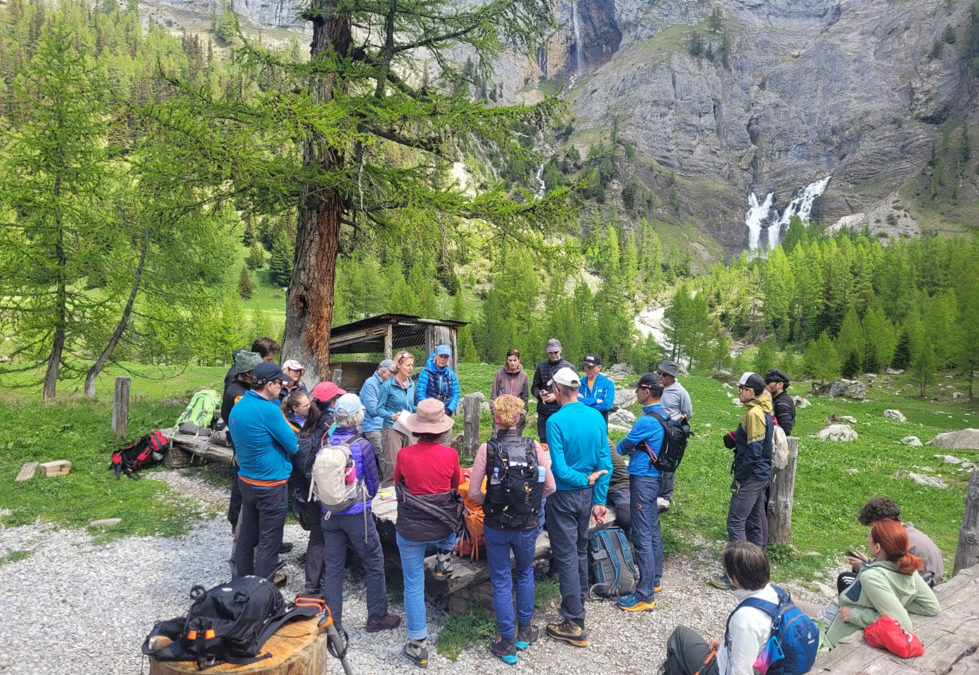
<point x="366" y="336"/>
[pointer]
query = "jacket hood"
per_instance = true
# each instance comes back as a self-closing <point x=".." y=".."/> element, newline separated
<point x="763" y="401"/>
<point x="431" y="367"/>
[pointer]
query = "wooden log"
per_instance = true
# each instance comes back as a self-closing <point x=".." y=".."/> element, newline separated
<point x="780" y="497"/>
<point x="120" y="407"/>
<point x="471" y="408"/>
<point x="967" y="552"/>
<point x="27" y="471"/>
<point x="298" y="648"/>
<point x="58" y="467"/>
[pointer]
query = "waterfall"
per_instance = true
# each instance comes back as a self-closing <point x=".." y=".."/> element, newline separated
<point x="763" y="217"/>
<point x="578" y="58"/>
<point x="541" y="185"/>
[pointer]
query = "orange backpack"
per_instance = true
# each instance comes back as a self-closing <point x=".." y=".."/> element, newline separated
<point x="472" y="540"/>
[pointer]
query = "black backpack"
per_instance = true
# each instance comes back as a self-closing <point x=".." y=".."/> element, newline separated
<point x="514" y="485"/>
<point x="228" y="624"/>
<point x="147" y="451"/>
<point x="676" y="431"/>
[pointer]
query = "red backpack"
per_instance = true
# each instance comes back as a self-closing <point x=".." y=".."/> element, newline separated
<point x="147" y="451"/>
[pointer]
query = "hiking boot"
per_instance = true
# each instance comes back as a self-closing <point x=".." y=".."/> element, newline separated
<point x="279" y="579"/>
<point x="443" y="565"/>
<point x="658" y="587"/>
<point x="505" y="649"/>
<point x="286" y="547"/>
<point x="379" y="622"/>
<point x="633" y="603"/>
<point x="722" y="582"/>
<point x="416" y="652"/>
<point x="526" y="636"/>
<point x="662" y="504"/>
<point x="568" y="631"/>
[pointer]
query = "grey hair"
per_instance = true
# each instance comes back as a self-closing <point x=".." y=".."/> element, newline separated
<point x="349" y="420"/>
<point x="566" y="390"/>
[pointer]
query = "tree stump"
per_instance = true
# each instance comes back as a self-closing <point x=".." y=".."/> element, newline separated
<point x="120" y="407"/>
<point x="780" y="497"/>
<point x="967" y="553"/>
<point x="297" y="648"/>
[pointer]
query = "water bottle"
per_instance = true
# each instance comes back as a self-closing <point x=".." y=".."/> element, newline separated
<point x="541" y="473"/>
<point x="495" y="480"/>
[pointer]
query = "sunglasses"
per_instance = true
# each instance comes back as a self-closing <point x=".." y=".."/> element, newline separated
<point x="744" y="388"/>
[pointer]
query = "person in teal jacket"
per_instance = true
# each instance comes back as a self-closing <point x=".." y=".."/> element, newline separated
<point x="596" y="390"/>
<point x="397" y="394"/>
<point x="439" y="381"/>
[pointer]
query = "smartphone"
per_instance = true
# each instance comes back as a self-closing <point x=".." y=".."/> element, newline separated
<point x="853" y="554"/>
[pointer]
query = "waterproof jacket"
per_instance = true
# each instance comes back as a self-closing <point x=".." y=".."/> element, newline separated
<point x="515" y="384"/>
<point x="578" y="445"/>
<point x="784" y="410"/>
<point x="438" y="383"/>
<point x="753" y="441"/>
<point x="600" y="395"/>
<point x="394" y="398"/>
<point x="369" y="394"/>
<point x="302" y="461"/>
<point x="542" y="380"/>
<point x="365" y="461"/>
<point x="647" y="432"/>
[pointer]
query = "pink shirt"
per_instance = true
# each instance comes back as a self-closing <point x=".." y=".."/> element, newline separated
<point x="479" y="472"/>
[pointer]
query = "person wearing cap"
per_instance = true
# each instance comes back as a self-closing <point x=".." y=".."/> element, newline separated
<point x="752" y="466"/>
<point x="783" y="407"/>
<point x="245" y="362"/>
<point x="439" y="381"/>
<point x="511" y="379"/>
<point x="542" y="388"/>
<point x="426" y="477"/>
<point x="369" y="393"/>
<point x="395" y="400"/>
<point x="355" y="526"/>
<point x="266" y="348"/>
<point x="324" y="395"/>
<point x="295" y="371"/>
<point x="642" y="444"/>
<point x="263" y="443"/>
<point x="596" y="391"/>
<point x="676" y="402"/>
<point x="581" y="464"/>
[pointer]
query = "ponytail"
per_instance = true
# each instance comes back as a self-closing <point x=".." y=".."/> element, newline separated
<point x="909" y="564"/>
<point x="891" y="536"/>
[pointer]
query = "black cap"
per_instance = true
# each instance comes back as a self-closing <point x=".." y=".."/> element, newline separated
<point x="593" y="360"/>
<point x="752" y="381"/>
<point x="648" y="381"/>
<point x="264" y="373"/>
<point x="776" y="375"/>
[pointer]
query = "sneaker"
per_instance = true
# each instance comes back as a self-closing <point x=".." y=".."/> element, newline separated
<point x="633" y="603"/>
<point x="505" y="649"/>
<point x="379" y="622"/>
<point x="443" y="565"/>
<point x="416" y="652"/>
<point x="568" y="631"/>
<point x="662" y="504"/>
<point x="722" y="582"/>
<point x="526" y="636"/>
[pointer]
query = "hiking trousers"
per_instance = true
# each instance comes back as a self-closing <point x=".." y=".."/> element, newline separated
<point x="339" y="531"/>
<point x="645" y="534"/>
<point x="744" y="516"/>
<point x="567" y="513"/>
<point x="263" y="516"/>
<point x="499" y="543"/>
<point x="687" y="653"/>
<point x="392" y="441"/>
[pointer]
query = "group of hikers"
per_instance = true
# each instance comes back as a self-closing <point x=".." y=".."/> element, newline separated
<point x="333" y="451"/>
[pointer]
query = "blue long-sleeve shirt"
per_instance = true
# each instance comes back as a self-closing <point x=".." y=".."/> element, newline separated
<point x="394" y="398"/>
<point x="369" y="393"/>
<point x="600" y="396"/>
<point x="263" y="439"/>
<point x="440" y="383"/>
<point x="647" y="428"/>
<point x="578" y="444"/>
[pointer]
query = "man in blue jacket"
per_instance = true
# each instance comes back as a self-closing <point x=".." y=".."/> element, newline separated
<point x="596" y="391"/>
<point x="642" y="444"/>
<point x="438" y="381"/>
<point x="373" y="420"/>
<point x="263" y="442"/>
<point x="581" y="465"/>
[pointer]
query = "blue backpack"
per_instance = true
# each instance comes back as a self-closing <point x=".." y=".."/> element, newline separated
<point x="612" y="571"/>
<point x="791" y="650"/>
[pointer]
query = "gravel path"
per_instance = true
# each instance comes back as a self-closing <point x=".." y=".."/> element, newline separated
<point x="74" y="606"/>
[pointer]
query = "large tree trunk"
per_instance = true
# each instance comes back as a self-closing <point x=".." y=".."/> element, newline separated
<point x="309" y="301"/>
<point x="100" y="362"/>
<point x="61" y="307"/>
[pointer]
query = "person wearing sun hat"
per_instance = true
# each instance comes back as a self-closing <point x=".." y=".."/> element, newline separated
<point x="426" y="476"/>
<point x="295" y="371"/>
<point x="676" y="402"/>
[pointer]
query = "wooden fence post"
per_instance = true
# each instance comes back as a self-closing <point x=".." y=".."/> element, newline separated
<point x="780" y="497"/>
<point x="967" y="553"/>
<point x="120" y="407"/>
<point x="471" y="407"/>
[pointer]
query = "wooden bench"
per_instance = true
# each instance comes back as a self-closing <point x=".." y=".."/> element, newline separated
<point x="950" y="639"/>
<point x="185" y="448"/>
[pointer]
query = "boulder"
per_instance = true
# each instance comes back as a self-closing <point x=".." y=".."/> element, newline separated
<point x="949" y="459"/>
<point x="928" y="481"/>
<point x="893" y="371"/>
<point x="845" y="388"/>
<point x="624" y="398"/>
<point x="618" y="428"/>
<point x="913" y="441"/>
<point x="618" y="370"/>
<point x="846" y="419"/>
<point x="956" y="395"/>
<point x="837" y="432"/>
<point x="965" y="439"/>
<point x="800" y="402"/>
<point x="622" y="418"/>
<point x="895" y="415"/>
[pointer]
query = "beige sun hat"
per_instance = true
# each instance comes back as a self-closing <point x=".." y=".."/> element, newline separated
<point x="429" y="418"/>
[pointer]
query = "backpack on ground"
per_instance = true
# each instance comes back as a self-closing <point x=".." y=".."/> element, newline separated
<point x="613" y="572"/>
<point x="147" y="451"/>
<point x="676" y="431"/>
<point x="199" y="412"/>
<point x="514" y="485"/>
<point x="333" y="480"/>
<point x="792" y="647"/>
<point x="780" y="448"/>
<point x="228" y="623"/>
<point x="472" y="542"/>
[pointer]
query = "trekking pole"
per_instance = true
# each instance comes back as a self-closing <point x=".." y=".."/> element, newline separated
<point x="335" y="643"/>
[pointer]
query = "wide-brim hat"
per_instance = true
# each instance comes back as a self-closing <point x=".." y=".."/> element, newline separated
<point x="429" y="418"/>
<point x="668" y="368"/>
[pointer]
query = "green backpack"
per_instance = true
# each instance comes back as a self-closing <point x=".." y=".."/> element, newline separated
<point x="200" y="411"/>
